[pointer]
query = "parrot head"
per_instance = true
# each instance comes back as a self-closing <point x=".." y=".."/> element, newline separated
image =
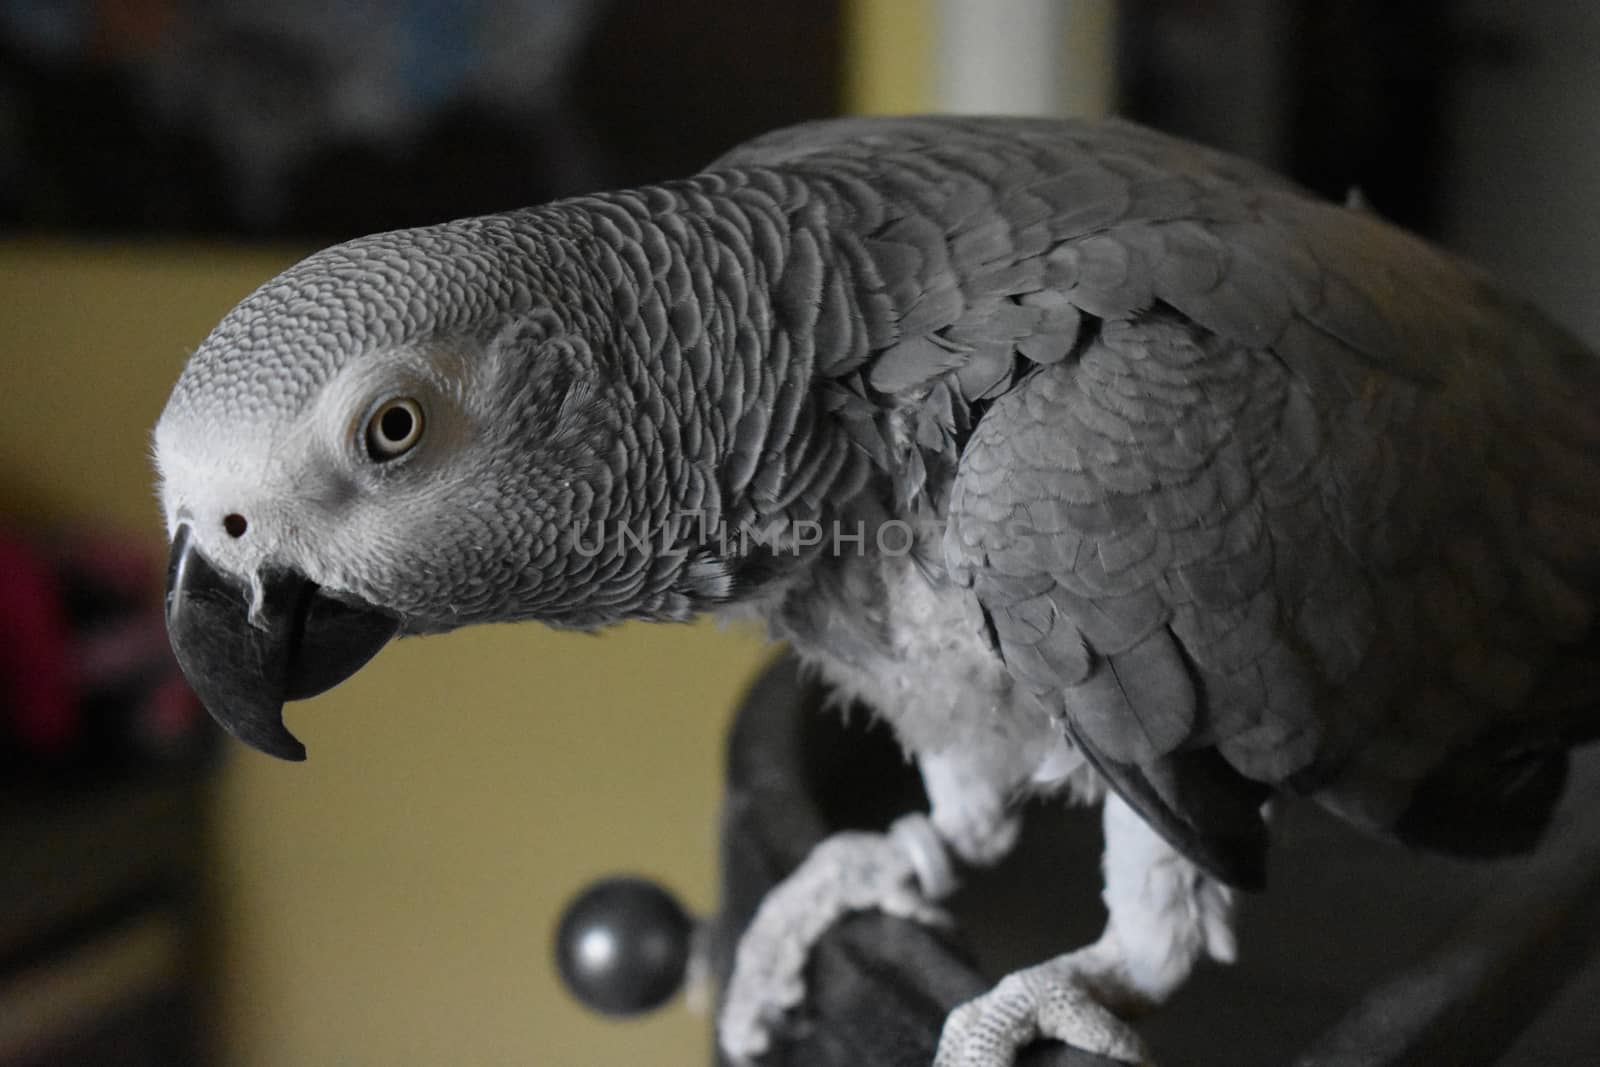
<point x="398" y="435"/>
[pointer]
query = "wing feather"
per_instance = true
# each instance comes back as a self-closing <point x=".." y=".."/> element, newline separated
<point x="1261" y="493"/>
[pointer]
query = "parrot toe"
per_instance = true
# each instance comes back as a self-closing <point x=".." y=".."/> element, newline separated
<point x="1058" y="1000"/>
<point x="847" y="872"/>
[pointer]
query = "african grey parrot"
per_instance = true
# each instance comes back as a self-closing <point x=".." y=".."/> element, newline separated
<point x="1096" y="462"/>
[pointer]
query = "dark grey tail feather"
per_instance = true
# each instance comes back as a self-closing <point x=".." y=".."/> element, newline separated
<point x="1486" y="801"/>
<point x="1495" y="797"/>
<point x="1568" y="699"/>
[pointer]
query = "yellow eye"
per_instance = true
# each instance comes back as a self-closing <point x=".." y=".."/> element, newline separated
<point x="394" y="429"/>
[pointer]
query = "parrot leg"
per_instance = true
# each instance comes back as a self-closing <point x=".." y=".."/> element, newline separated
<point x="969" y="801"/>
<point x="899" y="873"/>
<point x="1164" y="916"/>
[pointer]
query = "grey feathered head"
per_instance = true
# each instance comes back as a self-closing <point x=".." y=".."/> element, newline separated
<point x="403" y="433"/>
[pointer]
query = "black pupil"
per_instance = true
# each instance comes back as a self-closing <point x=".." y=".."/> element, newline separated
<point x="395" y="424"/>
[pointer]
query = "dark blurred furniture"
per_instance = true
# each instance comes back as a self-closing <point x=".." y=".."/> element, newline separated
<point x="324" y="121"/>
<point x="1360" y="953"/>
<point x="100" y="943"/>
<point x="103" y="764"/>
<point x="1337" y="94"/>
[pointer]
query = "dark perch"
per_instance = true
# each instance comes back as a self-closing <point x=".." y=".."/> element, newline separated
<point x="879" y="987"/>
<point x="1360" y="953"/>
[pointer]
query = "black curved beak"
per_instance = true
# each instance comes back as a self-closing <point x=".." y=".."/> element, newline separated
<point x="302" y="643"/>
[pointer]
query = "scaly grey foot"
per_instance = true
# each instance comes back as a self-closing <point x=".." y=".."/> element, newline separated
<point x="1066" y="999"/>
<point x="896" y="873"/>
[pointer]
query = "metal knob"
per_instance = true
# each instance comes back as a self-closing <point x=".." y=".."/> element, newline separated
<point x="623" y="946"/>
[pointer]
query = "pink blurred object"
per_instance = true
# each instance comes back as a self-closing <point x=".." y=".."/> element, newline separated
<point x="38" y="693"/>
<point x="86" y="675"/>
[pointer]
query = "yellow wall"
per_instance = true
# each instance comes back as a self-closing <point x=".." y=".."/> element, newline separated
<point x="892" y="48"/>
<point x="888" y="56"/>
<point x="389" y="901"/>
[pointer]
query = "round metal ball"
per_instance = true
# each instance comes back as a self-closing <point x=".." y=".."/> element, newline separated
<point x="623" y="946"/>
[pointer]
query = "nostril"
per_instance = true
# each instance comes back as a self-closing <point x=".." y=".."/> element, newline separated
<point x="235" y="524"/>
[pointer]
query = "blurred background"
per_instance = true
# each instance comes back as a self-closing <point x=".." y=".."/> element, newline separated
<point x="167" y="899"/>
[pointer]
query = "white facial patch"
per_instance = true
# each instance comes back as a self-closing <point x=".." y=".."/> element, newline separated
<point x="221" y="481"/>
